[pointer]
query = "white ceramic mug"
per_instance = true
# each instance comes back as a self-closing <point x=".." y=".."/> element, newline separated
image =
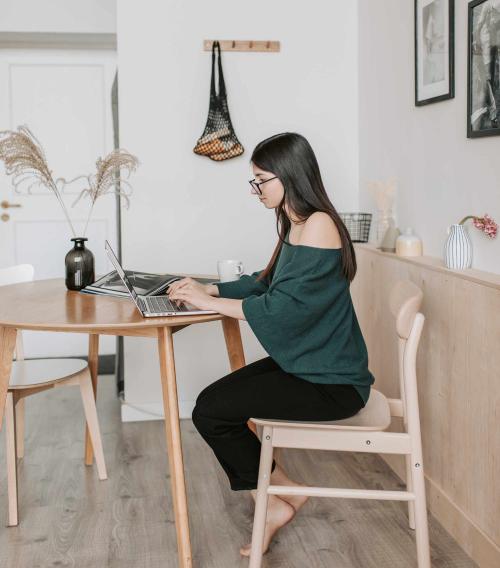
<point x="229" y="270"/>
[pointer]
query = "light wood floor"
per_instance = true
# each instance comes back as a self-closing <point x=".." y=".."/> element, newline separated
<point x="69" y="518"/>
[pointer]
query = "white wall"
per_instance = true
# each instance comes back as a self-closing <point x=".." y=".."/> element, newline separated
<point x="442" y="174"/>
<point x="188" y="211"/>
<point x="58" y="16"/>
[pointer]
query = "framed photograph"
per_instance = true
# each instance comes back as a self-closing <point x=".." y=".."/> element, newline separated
<point x="483" y="69"/>
<point x="434" y="51"/>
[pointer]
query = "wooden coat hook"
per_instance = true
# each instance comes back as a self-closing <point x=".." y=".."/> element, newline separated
<point x="243" y="45"/>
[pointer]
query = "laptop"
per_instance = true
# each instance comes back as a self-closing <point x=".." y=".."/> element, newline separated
<point x="152" y="306"/>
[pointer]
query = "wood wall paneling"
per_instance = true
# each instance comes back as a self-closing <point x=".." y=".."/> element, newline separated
<point x="459" y="386"/>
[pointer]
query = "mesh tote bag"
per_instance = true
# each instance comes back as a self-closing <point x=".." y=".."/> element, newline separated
<point x="218" y="141"/>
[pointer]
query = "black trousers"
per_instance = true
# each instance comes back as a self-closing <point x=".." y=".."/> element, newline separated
<point x="262" y="390"/>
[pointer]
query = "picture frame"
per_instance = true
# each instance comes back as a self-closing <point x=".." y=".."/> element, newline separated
<point x="483" y="69"/>
<point x="434" y="51"/>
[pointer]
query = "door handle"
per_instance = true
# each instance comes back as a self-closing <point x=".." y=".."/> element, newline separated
<point x="5" y="204"/>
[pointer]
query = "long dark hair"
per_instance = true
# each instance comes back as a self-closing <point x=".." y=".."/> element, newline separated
<point x="289" y="156"/>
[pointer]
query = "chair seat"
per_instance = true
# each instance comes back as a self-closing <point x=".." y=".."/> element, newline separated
<point x="35" y="372"/>
<point x="374" y="416"/>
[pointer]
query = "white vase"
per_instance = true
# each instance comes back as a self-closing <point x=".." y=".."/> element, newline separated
<point x="458" y="248"/>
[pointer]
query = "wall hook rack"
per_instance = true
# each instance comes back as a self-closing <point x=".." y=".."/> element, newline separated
<point x="243" y="45"/>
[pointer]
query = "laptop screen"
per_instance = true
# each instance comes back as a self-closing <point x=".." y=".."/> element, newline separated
<point x="121" y="273"/>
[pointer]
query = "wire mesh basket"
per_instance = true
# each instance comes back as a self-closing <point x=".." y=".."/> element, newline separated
<point x="358" y="225"/>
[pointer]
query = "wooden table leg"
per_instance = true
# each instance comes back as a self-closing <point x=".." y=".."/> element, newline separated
<point x="232" y="335"/>
<point x="234" y="346"/>
<point x="174" y="444"/>
<point x="93" y="361"/>
<point x="7" y="345"/>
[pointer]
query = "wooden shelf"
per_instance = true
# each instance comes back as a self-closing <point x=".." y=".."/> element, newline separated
<point x="490" y="279"/>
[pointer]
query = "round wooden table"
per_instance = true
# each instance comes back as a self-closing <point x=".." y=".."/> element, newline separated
<point x="46" y="305"/>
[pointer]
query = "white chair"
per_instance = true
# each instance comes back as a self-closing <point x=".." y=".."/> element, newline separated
<point x="363" y="432"/>
<point x="35" y="375"/>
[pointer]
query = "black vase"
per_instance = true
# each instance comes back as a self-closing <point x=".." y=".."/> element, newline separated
<point x="79" y="265"/>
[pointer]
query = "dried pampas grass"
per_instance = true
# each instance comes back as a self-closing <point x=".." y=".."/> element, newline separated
<point x="25" y="161"/>
<point x="384" y="193"/>
<point x="107" y="178"/>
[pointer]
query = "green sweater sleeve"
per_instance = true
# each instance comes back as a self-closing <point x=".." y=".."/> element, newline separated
<point x="245" y="286"/>
<point x="293" y="302"/>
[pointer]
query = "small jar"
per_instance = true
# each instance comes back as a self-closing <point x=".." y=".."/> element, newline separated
<point x="408" y="244"/>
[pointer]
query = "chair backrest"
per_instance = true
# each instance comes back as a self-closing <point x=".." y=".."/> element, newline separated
<point x="405" y="300"/>
<point x="15" y="275"/>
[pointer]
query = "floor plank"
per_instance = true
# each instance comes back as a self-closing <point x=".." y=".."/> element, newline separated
<point x="71" y="519"/>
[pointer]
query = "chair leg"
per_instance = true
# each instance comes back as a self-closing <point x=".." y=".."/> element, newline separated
<point x="409" y="488"/>
<point x="19" y="409"/>
<point x="421" y="526"/>
<point x="259" y="521"/>
<point x="89" y="406"/>
<point x="258" y="433"/>
<point x="10" y="431"/>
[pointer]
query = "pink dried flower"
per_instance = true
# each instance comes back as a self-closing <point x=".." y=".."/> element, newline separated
<point x="485" y="224"/>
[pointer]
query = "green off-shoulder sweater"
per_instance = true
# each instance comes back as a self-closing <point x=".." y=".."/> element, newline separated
<point x="304" y="317"/>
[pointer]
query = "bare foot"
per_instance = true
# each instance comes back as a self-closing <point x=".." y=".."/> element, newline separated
<point x="279" y="513"/>
<point x="279" y="477"/>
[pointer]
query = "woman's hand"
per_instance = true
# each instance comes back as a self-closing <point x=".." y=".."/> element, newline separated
<point x="192" y="292"/>
<point x="201" y="296"/>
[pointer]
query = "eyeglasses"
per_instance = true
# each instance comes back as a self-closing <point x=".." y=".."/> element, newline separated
<point x="256" y="185"/>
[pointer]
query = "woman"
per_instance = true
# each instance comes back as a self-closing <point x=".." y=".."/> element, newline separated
<point x="300" y="309"/>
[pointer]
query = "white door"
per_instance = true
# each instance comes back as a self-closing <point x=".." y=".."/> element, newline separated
<point x="64" y="97"/>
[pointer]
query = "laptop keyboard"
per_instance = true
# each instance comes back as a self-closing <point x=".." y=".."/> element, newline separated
<point x="160" y="304"/>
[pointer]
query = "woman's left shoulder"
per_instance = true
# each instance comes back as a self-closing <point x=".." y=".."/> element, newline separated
<point x="320" y="231"/>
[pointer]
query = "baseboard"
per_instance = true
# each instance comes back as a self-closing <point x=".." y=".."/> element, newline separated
<point x="139" y="412"/>
<point x="471" y="538"/>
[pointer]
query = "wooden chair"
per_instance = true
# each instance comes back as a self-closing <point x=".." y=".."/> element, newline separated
<point x="364" y="432"/>
<point x="35" y="375"/>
